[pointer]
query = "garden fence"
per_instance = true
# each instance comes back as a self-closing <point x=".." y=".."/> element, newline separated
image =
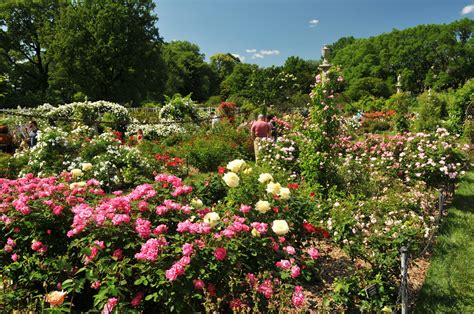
<point x="403" y="299"/>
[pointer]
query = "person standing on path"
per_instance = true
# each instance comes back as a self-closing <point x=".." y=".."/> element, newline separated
<point x="260" y="129"/>
<point x="33" y="133"/>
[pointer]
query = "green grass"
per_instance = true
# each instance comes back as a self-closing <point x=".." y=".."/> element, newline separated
<point x="449" y="285"/>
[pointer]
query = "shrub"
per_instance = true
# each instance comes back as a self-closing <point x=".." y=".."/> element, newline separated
<point x="155" y="247"/>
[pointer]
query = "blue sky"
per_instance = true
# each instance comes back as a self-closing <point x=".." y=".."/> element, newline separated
<point x="266" y="32"/>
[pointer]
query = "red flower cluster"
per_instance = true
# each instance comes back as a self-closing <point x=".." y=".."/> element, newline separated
<point x="119" y="136"/>
<point x="169" y="161"/>
<point x="316" y="230"/>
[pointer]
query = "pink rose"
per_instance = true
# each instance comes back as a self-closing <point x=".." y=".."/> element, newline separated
<point x="36" y="245"/>
<point x="220" y="253"/>
<point x="245" y="208"/>
<point x="298" y="297"/>
<point x="199" y="284"/>
<point x="187" y="249"/>
<point x="295" y="271"/>
<point x="137" y="299"/>
<point x="96" y="284"/>
<point x="313" y="253"/>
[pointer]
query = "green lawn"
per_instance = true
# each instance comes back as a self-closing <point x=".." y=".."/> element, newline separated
<point x="449" y="285"/>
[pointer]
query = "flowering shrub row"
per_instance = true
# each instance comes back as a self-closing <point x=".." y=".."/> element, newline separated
<point x="157" y="246"/>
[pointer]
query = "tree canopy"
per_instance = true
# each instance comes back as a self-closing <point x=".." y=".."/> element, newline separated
<point x="62" y="50"/>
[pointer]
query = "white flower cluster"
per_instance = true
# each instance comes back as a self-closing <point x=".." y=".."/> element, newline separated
<point x="85" y="110"/>
<point x="151" y="131"/>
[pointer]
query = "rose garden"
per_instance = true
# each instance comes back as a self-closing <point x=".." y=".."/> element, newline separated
<point x="94" y="218"/>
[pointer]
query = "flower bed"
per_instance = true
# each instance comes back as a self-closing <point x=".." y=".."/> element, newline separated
<point x="156" y="246"/>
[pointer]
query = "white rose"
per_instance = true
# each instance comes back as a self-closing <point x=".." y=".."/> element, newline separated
<point x="212" y="218"/>
<point x="285" y="193"/>
<point x="262" y="206"/>
<point x="196" y="202"/>
<point x="86" y="166"/>
<point x="265" y="177"/>
<point x="273" y="188"/>
<point x="231" y="179"/>
<point x="280" y="227"/>
<point x="236" y="165"/>
<point x="77" y="173"/>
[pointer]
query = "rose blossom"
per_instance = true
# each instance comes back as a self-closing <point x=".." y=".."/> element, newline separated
<point x="137" y="299"/>
<point x="220" y="253"/>
<point x="55" y="297"/>
<point x="199" y="284"/>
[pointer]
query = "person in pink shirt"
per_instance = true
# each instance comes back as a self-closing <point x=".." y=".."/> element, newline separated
<point x="260" y="129"/>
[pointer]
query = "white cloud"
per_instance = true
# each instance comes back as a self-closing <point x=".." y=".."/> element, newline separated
<point x="269" y="52"/>
<point x="313" y="23"/>
<point x="257" y="56"/>
<point x="251" y="50"/>
<point x="467" y="9"/>
<point x="242" y="58"/>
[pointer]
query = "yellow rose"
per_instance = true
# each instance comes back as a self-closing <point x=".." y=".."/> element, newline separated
<point x="248" y="171"/>
<point x="212" y="218"/>
<point x="285" y="193"/>
<point x="77" y="185"/>
<point x="273" y="188"/>
<point x="262" y="206"/>
<point x="280" y="227"/>
<point x="255" y="233"/>
<point x="76" y="173"/>
<point x="55" y="297"/>
<point x="265" y="177"/>
<point x="86" y="166"/>
<point x="236" y="165"/>
<point x="196" y="202"/>
<point x="231" y="179"/>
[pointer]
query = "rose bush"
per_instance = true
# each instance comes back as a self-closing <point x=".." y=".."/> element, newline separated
<point x="156" y="245"/>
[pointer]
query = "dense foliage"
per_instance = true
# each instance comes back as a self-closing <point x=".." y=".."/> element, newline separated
<point x="62" y="51"/>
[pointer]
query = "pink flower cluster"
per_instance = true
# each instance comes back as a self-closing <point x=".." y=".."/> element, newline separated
<point x="170" y="205"/>
<point x="39" y="247"/>
<point x="266" y="288"/>
<point x="295" y="270"/>
<point x="237" y="226"/>
<point x="179" y="188"/>
<point x="198" y="227"/>
<point x="298" y="297"/>
<point x="313" y="252"/>
<point x="144" y="192"/>
<point x="82" y="215"/>
<point x="109" y="306"/>
<point x="150" y="249"/>
<point x="143" y="228"/>
<point x="177" y="269"/>
<point x="261" y="227"/>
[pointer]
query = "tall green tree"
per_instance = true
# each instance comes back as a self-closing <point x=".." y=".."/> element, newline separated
<point x="187" y="71"/>
<point x="303" y="70"/>
<point x="108" y="49"/>
<point x="26" y="30"/>
<point x="223" y="64"/>
<point x="437" y="56"/>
